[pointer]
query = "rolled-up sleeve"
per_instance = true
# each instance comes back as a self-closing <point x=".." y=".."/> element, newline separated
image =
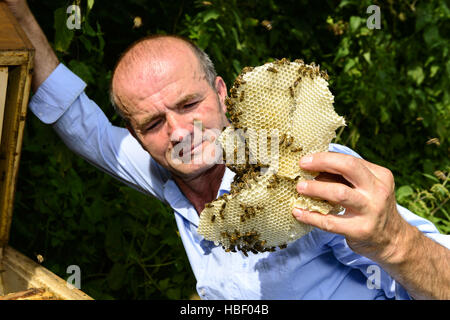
<point x="84" y="128"/>
<point x="56" y="94"/>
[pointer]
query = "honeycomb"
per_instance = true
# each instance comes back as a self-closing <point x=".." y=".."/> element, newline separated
<point x="280" y="112"/>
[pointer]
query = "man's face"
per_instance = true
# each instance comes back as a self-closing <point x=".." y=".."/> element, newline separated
<point x="164" y="104"/>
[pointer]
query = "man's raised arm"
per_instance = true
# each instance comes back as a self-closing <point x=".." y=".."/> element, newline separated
<point x="45" y="60"/>
<point x="59" y="100"/>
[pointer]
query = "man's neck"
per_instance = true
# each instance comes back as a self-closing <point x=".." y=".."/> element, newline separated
<point x="202" y="189"/>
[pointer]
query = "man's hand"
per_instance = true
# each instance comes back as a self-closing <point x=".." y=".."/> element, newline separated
<point x="371" y="223"/>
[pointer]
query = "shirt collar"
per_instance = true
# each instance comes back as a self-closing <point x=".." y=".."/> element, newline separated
<point x="181" y="205"/>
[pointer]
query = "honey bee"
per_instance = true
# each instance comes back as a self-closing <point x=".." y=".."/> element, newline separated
<point x="213" y="218"/>
<point x="209" y="205"/>
<point x="325" y="75"/>
<point x="247" y="69"/>
<point x="239" y="81"/>
<point x="298" y="149"/>
<point x="434" y="141"/>
<point x="222" y="210"/>
<point x="289" y="141"/>
<point x="40" y="258"/>
<point x="283" y="246"/>
<point x="291" y="92"/>
<point x="297" y="81"/>
<point x="241" y="97"/>
<point x="283" y="137"/>
<point x="233" y="92"/>
<point x="273" y="182"/>
<point x="299" y="61"/>
<point x="441" y="175"/>
<point x="272" y="69"/>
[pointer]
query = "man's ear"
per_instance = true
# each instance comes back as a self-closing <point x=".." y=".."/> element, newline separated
<point x="221" y="89"/>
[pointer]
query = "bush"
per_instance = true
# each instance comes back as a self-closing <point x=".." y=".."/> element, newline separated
<point x="391" y="84"/>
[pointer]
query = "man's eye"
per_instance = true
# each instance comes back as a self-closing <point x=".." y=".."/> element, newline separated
<point x="190" y="105"/>
<point x="152" y="126"/>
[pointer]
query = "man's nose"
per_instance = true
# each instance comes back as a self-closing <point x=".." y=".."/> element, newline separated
<point x="179" y="127"/>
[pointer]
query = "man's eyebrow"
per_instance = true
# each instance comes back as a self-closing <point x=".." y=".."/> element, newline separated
<point x="186" y="99"/>
<point x="141" y="125"/>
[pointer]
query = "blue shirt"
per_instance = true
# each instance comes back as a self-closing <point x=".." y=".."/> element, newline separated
<point x="319" y="265"/>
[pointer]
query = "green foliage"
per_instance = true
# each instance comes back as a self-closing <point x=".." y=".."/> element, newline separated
<point x="429" y="203"/>
<point x="391" y="84"/>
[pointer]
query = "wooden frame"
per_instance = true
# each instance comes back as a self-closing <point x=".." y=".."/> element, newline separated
<point x="17" y="272"/>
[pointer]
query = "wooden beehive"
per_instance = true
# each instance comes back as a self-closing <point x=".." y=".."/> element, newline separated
<point x="20" y="277"/>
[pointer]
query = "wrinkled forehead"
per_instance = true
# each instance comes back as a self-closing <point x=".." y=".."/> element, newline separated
<point x="149" y="67"/>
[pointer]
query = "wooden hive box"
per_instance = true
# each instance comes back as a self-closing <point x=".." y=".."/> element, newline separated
<point x="20" y="277"/>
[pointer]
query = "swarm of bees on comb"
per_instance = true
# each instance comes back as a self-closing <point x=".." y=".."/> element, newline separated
<point x="280" y="112"/>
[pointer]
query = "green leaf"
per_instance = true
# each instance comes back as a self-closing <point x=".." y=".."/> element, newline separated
<point x="366" y="56"/>
<point x="429" y="176"/>
<point x="82" y="70"/>
<point x="90" y="4"/>
<point x="164" y="284"/>
<point x="404" y="192"/>
<point x="355" y="22"/>
<point x="116" y="276"/>
<point x="210" y="15"/>
<point x="433" y="71"/>
<point x="349" y="65"/>
<point x="236" y="38"/>
<point x="431" y="36"/>
<point x="417" y="74"/>
<point x="87" y="29"/>
<point x="63" y="36"/>
<point x="174" y="293"/>
<point x="251" y="22"/>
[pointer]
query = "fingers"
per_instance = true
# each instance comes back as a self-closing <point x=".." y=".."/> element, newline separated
<point x="334" y="192"/>
<point x="330" y="177"/>
<point x="351" y="168"/>
<point x="330" y="222"/>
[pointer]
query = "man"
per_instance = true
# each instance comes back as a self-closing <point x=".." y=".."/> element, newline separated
<point x="161" y="86"/>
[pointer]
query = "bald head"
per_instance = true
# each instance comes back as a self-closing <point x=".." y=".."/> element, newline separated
<point x="149" y="58"/>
